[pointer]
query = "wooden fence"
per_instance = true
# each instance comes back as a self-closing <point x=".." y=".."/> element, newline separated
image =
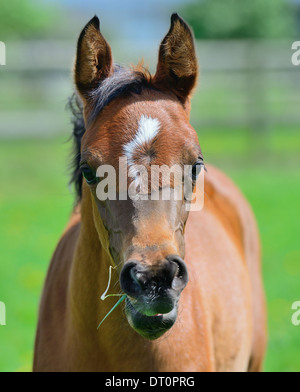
<point x="244" y="84"/>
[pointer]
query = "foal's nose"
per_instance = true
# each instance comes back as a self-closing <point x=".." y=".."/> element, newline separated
<point x="138" y="279"/>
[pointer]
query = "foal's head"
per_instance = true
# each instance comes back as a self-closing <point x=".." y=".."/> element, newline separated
<point x="144" y="121"/>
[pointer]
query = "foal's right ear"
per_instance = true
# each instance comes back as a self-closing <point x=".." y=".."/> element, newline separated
<point x="94" y="58"/>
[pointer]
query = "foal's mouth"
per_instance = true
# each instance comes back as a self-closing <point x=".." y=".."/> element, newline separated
<point x="150" y="327"/>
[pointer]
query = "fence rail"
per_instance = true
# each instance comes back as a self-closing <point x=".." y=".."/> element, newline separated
<point x="243" y="83"/>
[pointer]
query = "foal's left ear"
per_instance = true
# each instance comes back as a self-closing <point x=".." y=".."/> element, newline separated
<point x="94" y="58"/>
<point x="177" y="67"/>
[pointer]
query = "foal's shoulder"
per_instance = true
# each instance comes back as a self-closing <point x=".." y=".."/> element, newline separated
<point x="219" y="186"/>
<point x="224" y="203"/>
<point x="225" y="200"/>
<point x="222" y="195"/>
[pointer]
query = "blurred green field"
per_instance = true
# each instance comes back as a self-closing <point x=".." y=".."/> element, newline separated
<point x="35" y="203"/>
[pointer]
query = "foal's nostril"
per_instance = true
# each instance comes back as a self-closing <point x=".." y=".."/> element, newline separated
<point x="137" y="279"/>
<point x="129" y="280"/>
<point x="180" y="279"/>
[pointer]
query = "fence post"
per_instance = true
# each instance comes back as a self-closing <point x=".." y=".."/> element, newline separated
<point x="257" y="101"/>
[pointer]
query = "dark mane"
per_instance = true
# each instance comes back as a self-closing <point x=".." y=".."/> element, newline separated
<point x="123" y="81"/>
<point x="76" y="108"/>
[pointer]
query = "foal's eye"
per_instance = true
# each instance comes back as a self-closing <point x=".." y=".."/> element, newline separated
<point x="196" y="170"/>
<point x="89" y="174"/>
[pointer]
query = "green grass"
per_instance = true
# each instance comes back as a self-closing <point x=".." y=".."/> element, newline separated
<point x="34" y="207"/>
<point x="35" y="203"/>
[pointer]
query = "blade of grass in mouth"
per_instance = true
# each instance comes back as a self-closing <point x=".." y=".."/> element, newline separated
<point x="113" y="308"/>
<point x="104" y="296"/>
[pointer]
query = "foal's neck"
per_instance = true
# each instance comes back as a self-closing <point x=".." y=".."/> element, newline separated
<point x="115" y="346"/>
<point x="90" y="270"/>
<point x="99" y="348"/>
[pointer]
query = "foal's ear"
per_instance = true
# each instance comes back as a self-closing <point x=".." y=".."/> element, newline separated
<point x="94" y="58"/>
<point x="177" y="67"/>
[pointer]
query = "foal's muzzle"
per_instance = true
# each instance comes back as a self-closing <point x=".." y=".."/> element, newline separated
<point x="153" y="294"/>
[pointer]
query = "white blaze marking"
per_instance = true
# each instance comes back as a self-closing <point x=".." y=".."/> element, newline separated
<point x="148" y="129"/>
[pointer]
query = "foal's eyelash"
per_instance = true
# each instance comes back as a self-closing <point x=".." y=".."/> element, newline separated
<point x="201" y="159"/>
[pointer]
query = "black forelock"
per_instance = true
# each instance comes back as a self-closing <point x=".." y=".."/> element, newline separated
<point x="122" y="81"/>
